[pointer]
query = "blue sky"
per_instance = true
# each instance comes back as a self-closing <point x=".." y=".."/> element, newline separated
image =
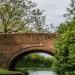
<point x="54" y="10"/>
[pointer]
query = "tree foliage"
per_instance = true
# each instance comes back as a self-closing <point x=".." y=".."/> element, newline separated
<point x="65" y="49"/>
<point x="21" y="16"/>
<point x="71" y="10"/>
<point x="65" y="44"/>
<point x="34" y="61"/>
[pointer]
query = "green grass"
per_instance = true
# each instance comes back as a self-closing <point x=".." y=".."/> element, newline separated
<point x="5" y="71"/>
<point x="36" y="69"/>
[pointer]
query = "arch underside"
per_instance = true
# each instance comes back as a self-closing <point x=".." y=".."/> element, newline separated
<point x="18" y="55"/>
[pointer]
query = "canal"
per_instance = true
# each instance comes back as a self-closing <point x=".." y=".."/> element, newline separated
<point x="41" y="73"/>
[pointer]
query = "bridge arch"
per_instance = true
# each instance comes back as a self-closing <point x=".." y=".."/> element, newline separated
<point x="25" y="51"/>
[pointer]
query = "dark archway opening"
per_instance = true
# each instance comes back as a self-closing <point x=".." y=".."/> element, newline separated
<point x="14" y="59"/>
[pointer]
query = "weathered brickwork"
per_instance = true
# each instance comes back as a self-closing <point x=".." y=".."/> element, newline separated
<point x="13" y="46"/>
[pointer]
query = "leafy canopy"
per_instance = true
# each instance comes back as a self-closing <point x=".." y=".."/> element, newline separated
<point x="65" y="44"/>
<point x="21" y="16"/>
<point x="65" y="49"/>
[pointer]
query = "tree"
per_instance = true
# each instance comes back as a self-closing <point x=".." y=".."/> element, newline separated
<point x="34" y="61"/>
<point x="65" y="44"/>
<point x="21" y="16"/>
<point x="71" y="10"/>
<point x="65" y="49"/>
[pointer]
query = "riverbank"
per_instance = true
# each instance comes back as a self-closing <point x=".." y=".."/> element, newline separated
<point x="5" y="71"/>
<point x="34" y="69"/>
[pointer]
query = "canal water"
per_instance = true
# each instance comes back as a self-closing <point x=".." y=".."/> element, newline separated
<point x="42" y="73"/>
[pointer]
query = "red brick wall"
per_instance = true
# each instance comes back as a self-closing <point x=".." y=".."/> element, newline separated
<point x="11" y="44"/>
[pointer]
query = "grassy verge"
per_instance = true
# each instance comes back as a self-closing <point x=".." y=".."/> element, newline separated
<point x="5" y="71"/>
<point x="35" y="69"/>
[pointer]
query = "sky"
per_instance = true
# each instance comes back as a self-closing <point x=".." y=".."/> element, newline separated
<point x="54" y="10"/>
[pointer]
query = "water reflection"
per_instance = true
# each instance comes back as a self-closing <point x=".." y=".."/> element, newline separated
<point x="41" y="73"/>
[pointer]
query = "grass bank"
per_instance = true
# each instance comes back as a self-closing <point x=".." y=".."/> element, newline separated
<point x="35" y="69"/>
<point x="5" y="71"/>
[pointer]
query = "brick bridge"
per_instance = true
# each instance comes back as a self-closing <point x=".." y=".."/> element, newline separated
<point x="14" y="46"/>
